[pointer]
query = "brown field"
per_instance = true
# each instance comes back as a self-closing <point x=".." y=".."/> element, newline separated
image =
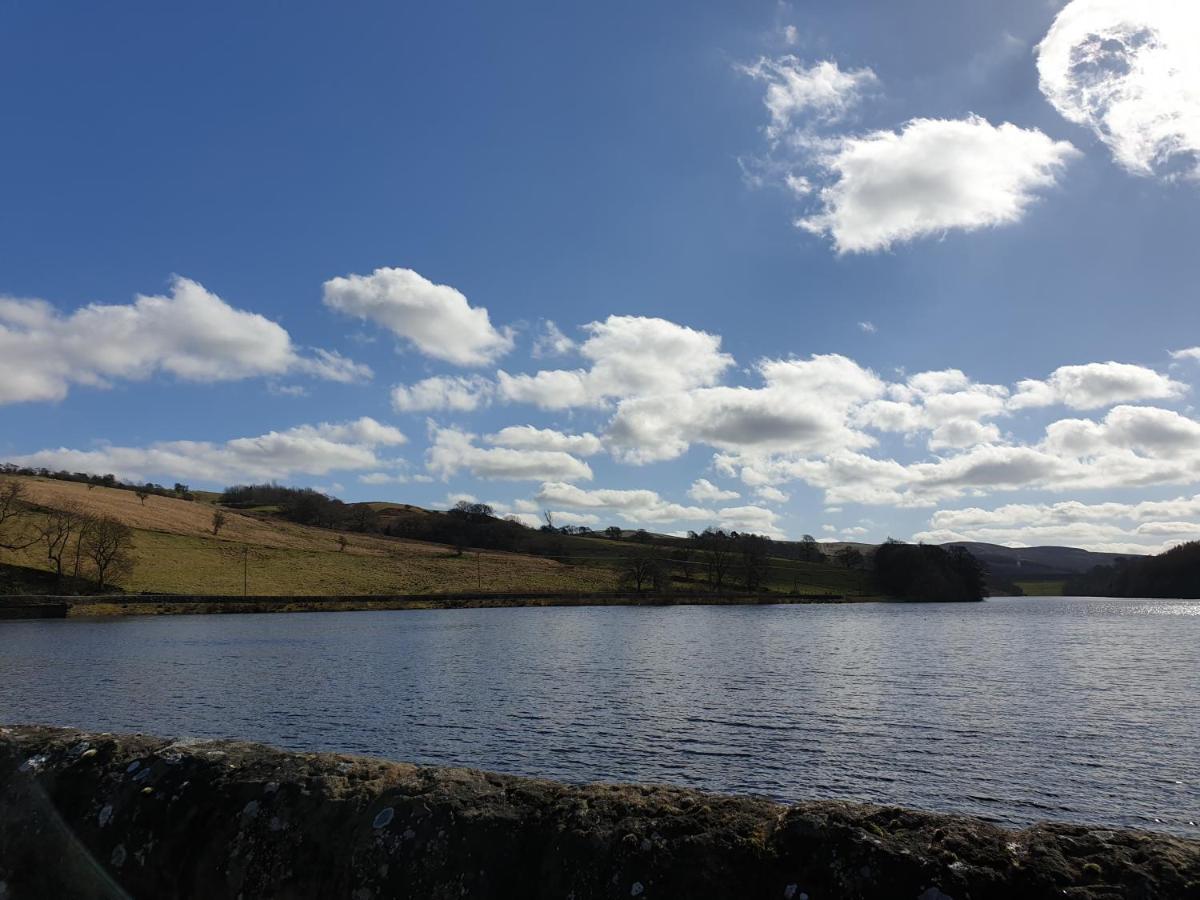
<point x="176" y="552"/>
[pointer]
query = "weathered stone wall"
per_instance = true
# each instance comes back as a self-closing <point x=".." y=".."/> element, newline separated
<point x="104" y="816"/>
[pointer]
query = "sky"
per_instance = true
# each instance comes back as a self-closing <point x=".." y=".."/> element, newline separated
<point x="856" y="269"/>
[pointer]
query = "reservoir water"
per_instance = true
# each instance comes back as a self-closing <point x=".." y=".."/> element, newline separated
<point x="1016" y="710"/>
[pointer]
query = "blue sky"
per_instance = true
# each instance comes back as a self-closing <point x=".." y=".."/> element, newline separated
<point x="332" y="202"/>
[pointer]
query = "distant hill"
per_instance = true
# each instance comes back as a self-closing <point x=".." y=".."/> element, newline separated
<point x="1036" y="563"/>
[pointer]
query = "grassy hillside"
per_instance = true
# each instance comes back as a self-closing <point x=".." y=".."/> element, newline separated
<point x="176" y="552"/>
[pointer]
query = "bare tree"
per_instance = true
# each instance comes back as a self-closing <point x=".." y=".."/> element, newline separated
<point x="108" y="548"/>
<point x="143" y="493"/>
<point x="343" y="543"/>
<point x="218" y="520"/>
<point x="16" y="532"/>
<point x="62" y="533"/>
<point x="643" y="571"/>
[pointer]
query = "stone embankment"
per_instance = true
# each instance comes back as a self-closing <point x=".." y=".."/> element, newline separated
<point x="114" y="816"/>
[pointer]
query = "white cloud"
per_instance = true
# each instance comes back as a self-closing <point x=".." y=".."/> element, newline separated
<point x="304" y="450"/>
<point x="1190" y="353"/>
<point x="630" y="356"/>
<point x="823" y="91"/>
<point x="1096" y="385"/>
<point x="771" y="494"/>
<point x="527" y="437"/>
<point x="453" y="451"/>
<point x="453" y="392"/>
<point x="551" y="342"/>
<point x="932" y="176"/>
<point x="704" y="491"/>
<point x="867" y="327"/>
<point x="1130" y="71"/>
<point x="191" y="334"/>
<point x="435" y="318"/>
<point x="802" y="407"/>
<point x="637" y="506"/>
<point x="945" y="403"/>
<point x="1146" y="527"/>
<point x="1132" y="446"/>
<point x="754" y="519"/>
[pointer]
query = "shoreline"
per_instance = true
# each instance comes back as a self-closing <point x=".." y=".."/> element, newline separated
<point x="145" y="816"/>
<point x="31" y="606"/>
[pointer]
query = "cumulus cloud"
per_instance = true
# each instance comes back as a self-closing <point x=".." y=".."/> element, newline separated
<point x="1096" y="385"/>
<point x="803" y="406"/>
<point x="932" y="176"/>
<point x="191" y="334"/>
<point x="434" y="318"/>
<point x="824" y="90"/>
<point x="450" y="392"/>
<point x="527" y="437"/>
<point x="704" y="491"/>
<point x="1132" y="446"/>
<point x="1131" y="73"/>
<point x="1189" y="353"/>
<point x="629" y="356"/>
<point x="945" y="403"/>
<point x="637" y="506"/>
<point x="453" y="451"/>
<point x="1146" y="527"/>
<point x="303" y="450"/>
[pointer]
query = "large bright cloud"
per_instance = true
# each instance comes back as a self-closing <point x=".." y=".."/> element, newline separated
<point x="435" y="318"/>
<point x="303" y="450"/>
<point x="1130" y="71"/>
<point x="191" y="334"/>
<point x="1096" y="385"/>
<point x="803" y="406"/>
<point x="453" y="451"/>
<point x="629" y="356"/>
<point x="932" y="176"/>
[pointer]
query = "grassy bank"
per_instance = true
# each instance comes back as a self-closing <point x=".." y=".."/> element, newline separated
<point x="143" y="605"/>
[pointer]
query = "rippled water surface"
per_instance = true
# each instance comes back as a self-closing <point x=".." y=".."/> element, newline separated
<point x="1014" y="709"/>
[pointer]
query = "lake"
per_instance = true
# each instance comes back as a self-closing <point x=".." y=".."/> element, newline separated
<point x="1016" y="709"/>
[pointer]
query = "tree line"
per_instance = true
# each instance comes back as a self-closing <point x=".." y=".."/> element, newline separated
<point x="1174" y="574"/>
<point x="927" y="572"/>
<point x="82" y="548"/>
<point x="179" y="491"/>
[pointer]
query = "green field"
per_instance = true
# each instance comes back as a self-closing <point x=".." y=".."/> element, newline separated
<point x="1042" y="588"/>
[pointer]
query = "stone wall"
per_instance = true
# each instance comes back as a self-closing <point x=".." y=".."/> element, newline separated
<point x="104" y="816"/>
